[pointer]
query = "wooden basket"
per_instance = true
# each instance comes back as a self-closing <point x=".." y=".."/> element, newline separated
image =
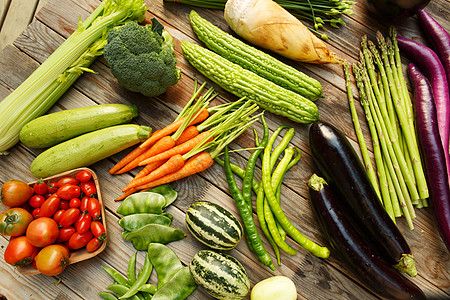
<point x="80" y="254"/>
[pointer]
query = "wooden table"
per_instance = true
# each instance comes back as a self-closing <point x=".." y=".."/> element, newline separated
<point x="314" y="278"/>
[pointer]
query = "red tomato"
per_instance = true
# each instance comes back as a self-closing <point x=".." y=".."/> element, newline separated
<point x="69" y="191"/>
<point x="36" y="201"/>
<point x="15" y="193"/>
<point x="68" y="180"/>
<point x="88" y="188"/>
<point x="98" y="230"/>
<point x="52" y="260"/>
<point x="78" y="240"/>
<point x="83" y="176"/>
<point x="83" y="224"/>
<point x="20" y="252"/>
<point x="69" y="217"/>
<point x="52" y="187"/>
<point x="14" y="221"/>
<point x="74" y="203"/>
<point x="64" y="204"/>
<point x="93" y="245"/>
<point x="42" y="232"/>
<point x="94" y="208"/>
<point x="65" y="233"/>
<point x="36" y="212"/>
<point x="58" y="215"/>
<point x="50" y="206"/>
<point x="40" y="187"/>
<point x="84" y="203"/>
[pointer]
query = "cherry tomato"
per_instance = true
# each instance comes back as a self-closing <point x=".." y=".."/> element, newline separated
<point x="93" y="245"/>
<point x="83" y="176"/>
<point x="84" y="203"/>
<point x="58" y="215"/>
<point x="64" y="204"/>
<point x="42" y="232"/>
<point x="98" y="230"/>
<point x="40" y="187"/>
<point x="74" y="203"/>
<point x="78" y="240"/>
<point x="52" y="187"/>
<point x="36" y="201"/>
<point x="94" y="208"/>
<point x="14" y="221"/>
<point x="52" y="260"/>
<point x="69" y="191"/>
<point x="65" y="233"/>
<point x="50" y="206"/>
<point x="20" y="252"/>
<point x="36" y="212"/>
<point x="69" y="217"/>
<point x="15" y="193"/>
<point x="68" y="180"/>
<point x="83" y="224"/>
<point x="88" y="188"/>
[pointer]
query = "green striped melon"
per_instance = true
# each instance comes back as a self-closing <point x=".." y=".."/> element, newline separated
<point x="221" y="275"/>
<point x="213" y="225"/>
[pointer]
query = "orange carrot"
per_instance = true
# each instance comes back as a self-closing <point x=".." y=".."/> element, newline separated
<point x="174" y="127"/>
<point x="187" y="134"/>
<point x="126" y="194"/>
<point x="173" y="164"/>
<point x="195" y="164"/>
<point x="180" y="149"/>
<point x="149" y="168"/>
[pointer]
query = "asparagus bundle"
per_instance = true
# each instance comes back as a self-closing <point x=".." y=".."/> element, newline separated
<point x="399" y="178"/>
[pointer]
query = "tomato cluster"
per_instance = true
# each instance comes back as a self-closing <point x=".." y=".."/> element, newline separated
<point x="49" y="220"/>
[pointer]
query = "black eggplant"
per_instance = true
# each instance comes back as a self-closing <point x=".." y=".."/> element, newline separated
<point x="341" y="167"/>
<point x="365" y="264"/>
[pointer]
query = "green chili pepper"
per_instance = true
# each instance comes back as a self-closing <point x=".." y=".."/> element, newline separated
<point x="165" y="261"/>
<point x="121" y="290"/>
<point x="167" y="191"/>
<point x="131" y="270"/>
<point x="152" y="233"/>
<point x="145" y="202"/>
<point x="148" y="288"/>
<point x="247" y="216"/>
<point x="281" y="146"/>
<point x="142" y="278"/>
<point x="136" y="221"/>
<point x="239" y="172"/>
<point x="179" y="287"/>
<point x="116" y="276"/>
<point x="107" y="296"/>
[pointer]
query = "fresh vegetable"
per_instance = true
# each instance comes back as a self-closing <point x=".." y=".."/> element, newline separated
<point x="52" y="259"/>
<point x="60" y="70"/>
<point x="213" y="225"/>
<point x="242" y="82"/>
<point x="51" y="129"/>
<point x="142" y="58"/>
<point x="65" y="234"/>
<point x="87" y="149"/>
<point x="434" y="158"/>
<point x="40" y="188"/>
<point x="142" y="278"/>
<point x="88" y="188"/>
<point x="274" y="288"/>
<point x="253" y="59"/>
<point x="20" y="252"/>
<point x="266" y="24"/>
<point x="15" y="193"/>
<point x="432" y="68"/>
<point x="78" y="240"/>
<point x="364" y="263"/>
<point x="94" y="208"/>
<point x="221" y="275"/>
<point x="136" y="221"/>
<point x="83" y="176"/>
<point x="180" y="286"/>
<point x="396" y="9"/>
<point x="93" y="244"/>
<point x="69" y="217"/>
<point x="14" y="221"/>
<point x="146" y="202"/>
<point x="42" y="232"/>
<point x="50" y="206"/>
<point x="340" y="165"/>
<point x="152" y="233"/>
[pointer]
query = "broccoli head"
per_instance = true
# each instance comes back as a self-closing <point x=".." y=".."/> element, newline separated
<point x="142" y="57"/>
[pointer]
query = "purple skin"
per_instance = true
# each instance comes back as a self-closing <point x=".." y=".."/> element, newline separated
<point x="432" y="151"/>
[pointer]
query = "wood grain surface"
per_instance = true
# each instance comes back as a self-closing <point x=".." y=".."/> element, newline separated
<point x="314" y="278"/>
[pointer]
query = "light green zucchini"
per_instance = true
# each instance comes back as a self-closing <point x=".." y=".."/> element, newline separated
<point x="253" y="59"/>
<point x="87" y="149"/>
<point x="51" y="129"/>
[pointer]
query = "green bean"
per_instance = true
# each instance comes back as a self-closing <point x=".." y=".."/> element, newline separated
<point x="121" y="290"/>
<point x="148" y="288"/>
<point x="180" y="286"/>
<point x="107" y="296"/>
<point x="116" y="276"/>
<point x="239" y="172"/>
<point x="247" y="216"/>
<point x="142" y="278"/>
<point x="131" y="270"/>
<point x="165" y="261"/>
<point x="281" y="217"/>
<point x="145" y="295"/>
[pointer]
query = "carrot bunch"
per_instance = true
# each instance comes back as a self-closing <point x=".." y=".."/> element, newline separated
<point x="188" y="145"/>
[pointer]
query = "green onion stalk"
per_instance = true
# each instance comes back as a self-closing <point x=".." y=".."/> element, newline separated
<point x="42" y="89"/>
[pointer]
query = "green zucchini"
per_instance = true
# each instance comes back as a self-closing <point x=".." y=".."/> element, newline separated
<point x="244" y="83"/>
<point x="51" y="129"/>
<point x="213" y="225"/>
<point x="253" y="59"/>
<point x="221" y="275"/>
<point x="87" y="149"/>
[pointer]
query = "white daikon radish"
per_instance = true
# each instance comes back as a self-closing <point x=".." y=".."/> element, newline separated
<point x="266" y="24"/>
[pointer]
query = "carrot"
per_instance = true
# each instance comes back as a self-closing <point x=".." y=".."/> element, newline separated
<point x="174" y="163"/>
<point x="188" y="133"/>
<point x="195" y="164"/>
<point x="126" y="194"/>
<point x="180" y="149"/>
<point x="149" y="168"/>
<point x="174" y="127"/>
